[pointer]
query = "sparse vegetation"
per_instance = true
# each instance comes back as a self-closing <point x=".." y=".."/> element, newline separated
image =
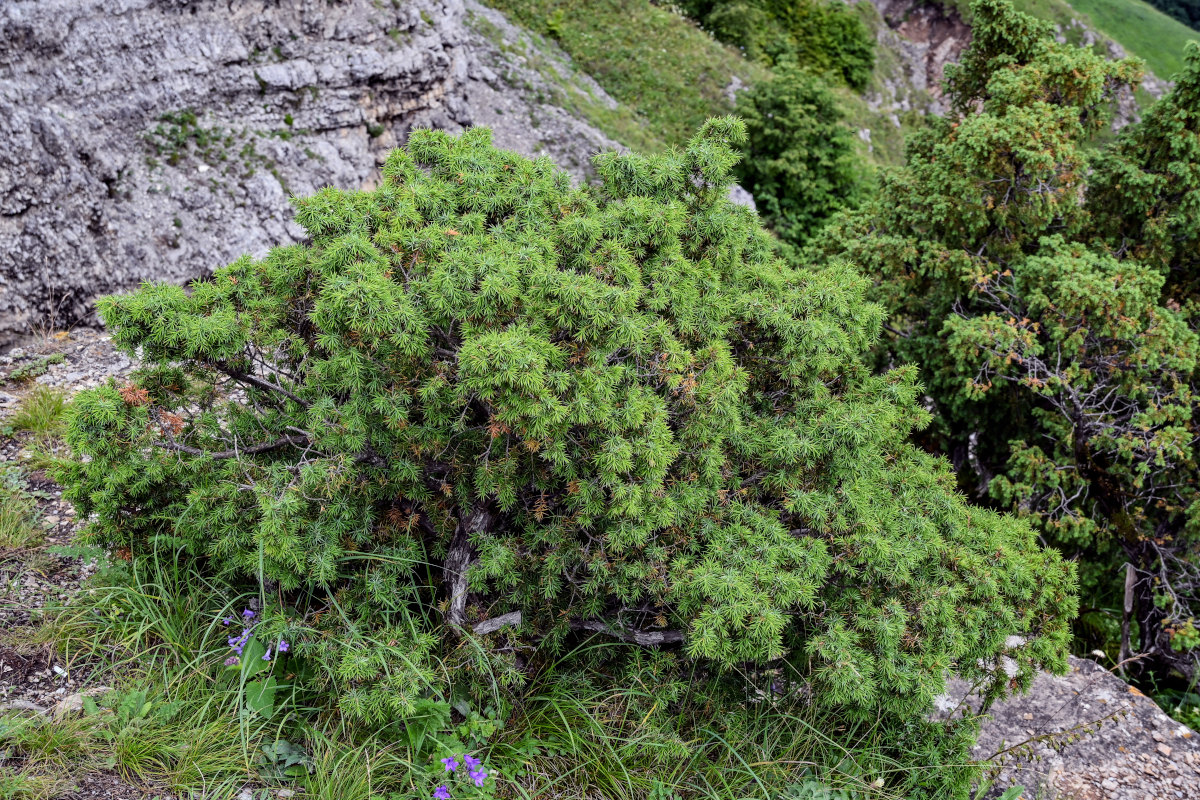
<point x="41" y="412"/>
<point x="234" y="153"/>
<point x="18" y="522"/>
<point x="36" y="368"/>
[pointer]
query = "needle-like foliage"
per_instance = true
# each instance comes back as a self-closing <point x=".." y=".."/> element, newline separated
<point x="481" y="410"/>
<point x="1048" y="286"/>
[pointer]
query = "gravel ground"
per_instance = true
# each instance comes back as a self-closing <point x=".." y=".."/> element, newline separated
<point x="33" y="679"/>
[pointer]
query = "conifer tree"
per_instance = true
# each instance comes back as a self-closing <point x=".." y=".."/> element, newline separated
<point x="1047" y="303"/>
<point x="479" y="403"/>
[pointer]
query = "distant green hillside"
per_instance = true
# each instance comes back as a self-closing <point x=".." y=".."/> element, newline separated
<point x="659" y="64"/>
<point x="1142" y="30"/>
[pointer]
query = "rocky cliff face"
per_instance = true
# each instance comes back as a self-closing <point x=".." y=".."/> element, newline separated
<point x="915" y="42"/>
<point x="159" y="139"/>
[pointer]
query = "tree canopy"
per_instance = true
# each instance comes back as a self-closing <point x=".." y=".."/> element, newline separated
<point x="1047" y="287"/>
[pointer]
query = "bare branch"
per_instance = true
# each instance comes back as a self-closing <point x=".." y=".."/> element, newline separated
<point x="496" y="623"/>
<point x="643" y="638"/>
<point x="631" y="635"/>
<point x="286" y="441"/>
<point x="258" y="382"/>
<point x="458" y="561"/>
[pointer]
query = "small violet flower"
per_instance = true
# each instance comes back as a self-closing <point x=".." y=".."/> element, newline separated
<point x="227" y="621"/>
<point x="267" y="655"/>
<point x="479" y="776"/>
<point x="283" y="646"/>
<point x="450" y="763"/>
<point x="441" y="793"/>
<point x="229" y="662"/>
<point x="247" y="614"/>
<point x="471" y="761"/>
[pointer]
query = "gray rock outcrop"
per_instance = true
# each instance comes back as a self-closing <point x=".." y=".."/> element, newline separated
<point x="916" y="41"/>
<point x="1086" y="735"/>
<point x="160" y="139"/>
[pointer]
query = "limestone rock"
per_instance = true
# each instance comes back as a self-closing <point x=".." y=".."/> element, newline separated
<point x="73" y="703"/>
<point x="106" y="181"/>
<point x="1085" y="736"/>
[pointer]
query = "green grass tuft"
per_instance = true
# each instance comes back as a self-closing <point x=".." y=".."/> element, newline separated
<point x="41" y="412"/>
<point x="178" y="720"/>
<point x="18" y="520"/>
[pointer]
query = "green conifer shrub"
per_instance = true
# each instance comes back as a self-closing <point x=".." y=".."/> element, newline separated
<point x="800" y="162"/>
<point x="826" y="36"/>
<point x="1049" y="294"/>
<point x="481" y="413"/>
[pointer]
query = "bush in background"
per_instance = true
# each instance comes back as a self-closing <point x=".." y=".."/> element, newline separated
<point x="823" y="35"/>
<point x="800" y="165"/>
<point x="1049" y="295"/>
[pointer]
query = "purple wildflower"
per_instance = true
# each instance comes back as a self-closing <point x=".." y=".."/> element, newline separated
<point x="479" y="776"/>
<point x="227" y="621"/>
<point x="450" y="763"/>
<point x="441" y="793"/>
<point x="229" y="662"/>
<point x="247" y="614"/>
<point x="267" y="655"/>
<point x="471" y="761"/>
<point x="283" y="646"/>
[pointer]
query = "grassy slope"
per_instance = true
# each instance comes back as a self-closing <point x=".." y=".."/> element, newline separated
<point x="1142" y="30"/>
<point x="669" y="72"/>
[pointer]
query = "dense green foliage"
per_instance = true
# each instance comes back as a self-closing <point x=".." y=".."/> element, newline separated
<point x="1048" y="297"/>
<point x="823" y="35"/>
<point x="800" y="162"/>
<point x="483" y="407"/>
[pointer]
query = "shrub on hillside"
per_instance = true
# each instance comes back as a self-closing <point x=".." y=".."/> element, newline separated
<point x="1052" y="304"/>
<point x="481" y="406"/>
<point x="800" y="161"/>
<point x="826" y="36"/>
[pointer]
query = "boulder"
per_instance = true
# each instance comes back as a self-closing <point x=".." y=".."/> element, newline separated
<point x="1086" y="735"/>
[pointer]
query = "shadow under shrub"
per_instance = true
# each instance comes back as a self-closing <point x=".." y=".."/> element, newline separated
<point x="482" y="414"/>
